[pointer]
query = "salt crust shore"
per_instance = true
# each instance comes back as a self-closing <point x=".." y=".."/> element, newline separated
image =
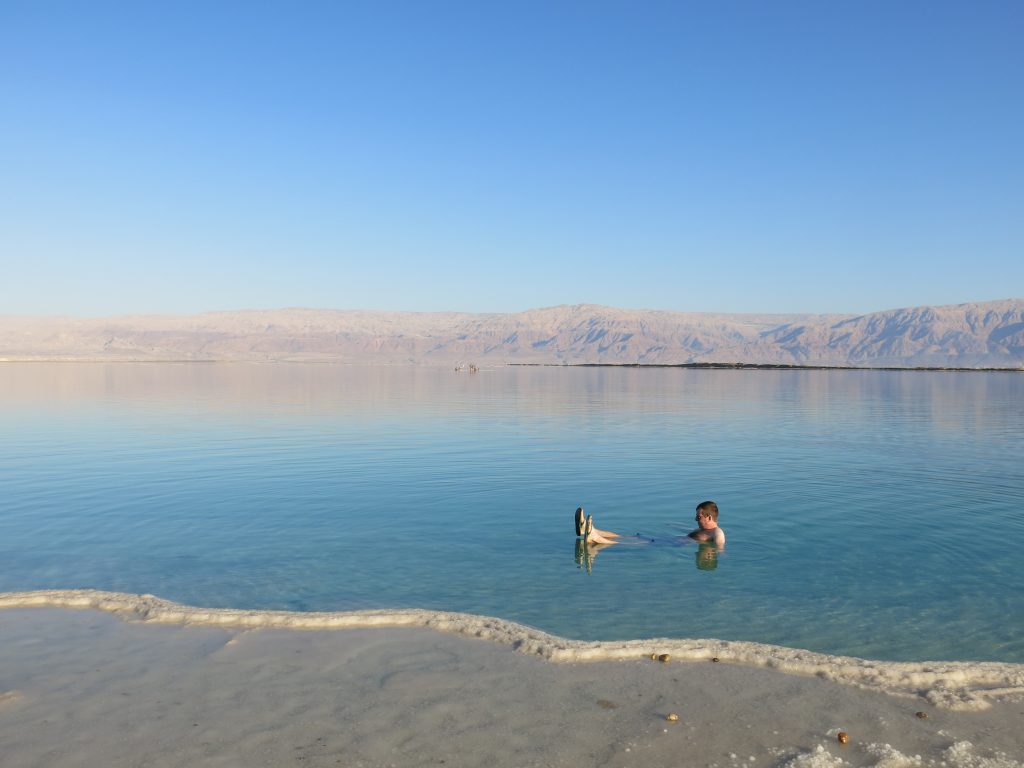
<point x="958" y="686"/>
<point x="79" y="689"/>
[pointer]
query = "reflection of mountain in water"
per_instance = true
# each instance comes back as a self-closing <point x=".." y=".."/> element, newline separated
<point x="987" y="334"/>
<point x="949" y="402"/>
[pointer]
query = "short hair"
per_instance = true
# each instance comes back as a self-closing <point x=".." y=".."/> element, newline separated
<point x="708" y="509"/>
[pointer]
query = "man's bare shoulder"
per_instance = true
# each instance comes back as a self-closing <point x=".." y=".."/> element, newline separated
<point x="716" y="535"/>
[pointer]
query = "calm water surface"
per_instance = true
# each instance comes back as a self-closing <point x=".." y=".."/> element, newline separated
<point x="872" y="513"/>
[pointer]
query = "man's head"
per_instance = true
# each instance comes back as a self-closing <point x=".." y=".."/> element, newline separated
<point x="707" y="514"/>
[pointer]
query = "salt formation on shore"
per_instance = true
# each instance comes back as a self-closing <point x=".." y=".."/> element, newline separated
<point x="953" y="685"/>
<point x="86" y="688"/>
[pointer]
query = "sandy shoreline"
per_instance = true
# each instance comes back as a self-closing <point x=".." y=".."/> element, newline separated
<point x="84" y="688"/>
<point x="946" y="684"/>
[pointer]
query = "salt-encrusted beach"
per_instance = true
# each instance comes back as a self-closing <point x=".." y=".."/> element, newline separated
<point x="161" y="684"/>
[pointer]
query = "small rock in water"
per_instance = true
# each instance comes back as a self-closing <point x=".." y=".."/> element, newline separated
<point x="843" y="737"/>
<point x="921" y="715"/>
<point x="671" y="717"/>
<point x="664" y="657"/>
<point x="714" y="659"/>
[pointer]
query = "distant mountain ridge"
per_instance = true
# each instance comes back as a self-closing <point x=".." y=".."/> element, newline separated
<point x="986" y="334"/>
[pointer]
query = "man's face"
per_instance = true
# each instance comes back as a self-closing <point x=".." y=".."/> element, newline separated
<point x="706" y="522"/>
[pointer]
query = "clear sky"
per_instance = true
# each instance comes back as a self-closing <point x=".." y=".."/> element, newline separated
<point x="768" y="156"/>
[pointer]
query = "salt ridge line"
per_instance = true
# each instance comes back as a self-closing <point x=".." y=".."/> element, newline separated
<point x="955" y="685"/>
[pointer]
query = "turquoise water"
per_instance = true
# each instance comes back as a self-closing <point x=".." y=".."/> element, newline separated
<point x="872" y="513"/>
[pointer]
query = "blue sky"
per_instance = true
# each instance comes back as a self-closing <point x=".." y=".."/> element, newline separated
<point x="705" y="156"/>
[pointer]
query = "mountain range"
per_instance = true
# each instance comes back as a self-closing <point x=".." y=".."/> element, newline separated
<point x="986" y="334"/>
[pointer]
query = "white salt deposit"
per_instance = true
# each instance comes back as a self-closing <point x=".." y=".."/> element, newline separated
<point x="962" y="755"/>
<point x="890" y="757"/>
<point x="959" y="755"/>
<point x="817" y="758"/>
<point x="961" y="686"/>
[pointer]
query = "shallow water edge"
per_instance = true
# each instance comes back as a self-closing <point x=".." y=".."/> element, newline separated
<point x="954" y="685"/>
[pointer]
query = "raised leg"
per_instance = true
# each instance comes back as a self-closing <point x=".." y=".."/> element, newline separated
<point x="594" y="535"/>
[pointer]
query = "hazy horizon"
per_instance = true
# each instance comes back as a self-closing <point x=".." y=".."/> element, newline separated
<point x="216" y="310"/>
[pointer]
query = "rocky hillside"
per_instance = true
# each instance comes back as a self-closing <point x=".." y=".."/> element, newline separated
<point x="989" y="334"/>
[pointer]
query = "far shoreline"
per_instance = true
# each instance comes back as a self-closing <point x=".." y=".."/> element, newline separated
<point x="490" y="366"/>
<point x="770" y="367"/>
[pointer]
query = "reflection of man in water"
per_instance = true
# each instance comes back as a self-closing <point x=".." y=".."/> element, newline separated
<point x="585" y="554"/>
<point x="706" y="556"/>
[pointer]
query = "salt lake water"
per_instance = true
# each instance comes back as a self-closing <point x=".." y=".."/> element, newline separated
<point x="872" y="513"/>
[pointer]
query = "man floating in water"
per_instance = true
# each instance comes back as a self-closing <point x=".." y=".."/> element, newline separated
<point x="706" y="517"/>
